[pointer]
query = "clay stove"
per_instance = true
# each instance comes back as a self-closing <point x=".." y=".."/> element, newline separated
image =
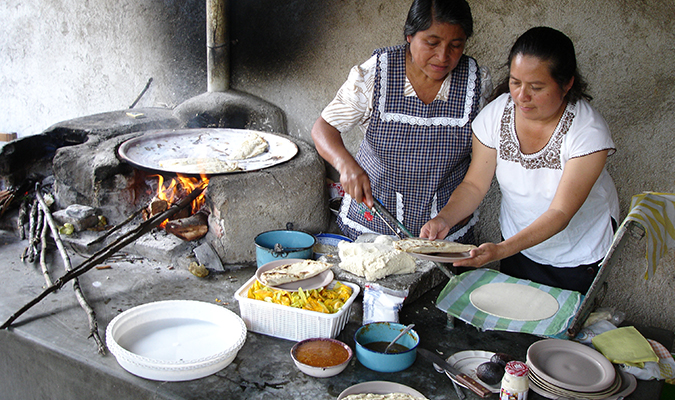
<point x="82" y="155"/>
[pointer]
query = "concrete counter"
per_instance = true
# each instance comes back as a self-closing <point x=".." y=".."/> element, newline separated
<point x="47" y="354"/>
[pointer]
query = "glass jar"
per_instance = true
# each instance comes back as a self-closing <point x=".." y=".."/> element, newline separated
<point x="515" y="383"/>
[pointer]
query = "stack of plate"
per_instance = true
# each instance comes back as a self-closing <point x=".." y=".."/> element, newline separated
<point x="561" y="368"/>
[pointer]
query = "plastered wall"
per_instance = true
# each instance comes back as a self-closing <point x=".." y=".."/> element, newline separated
<point x="64" y="59"/>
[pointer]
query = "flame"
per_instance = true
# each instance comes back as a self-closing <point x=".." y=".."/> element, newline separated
<point x="179" y="187"/>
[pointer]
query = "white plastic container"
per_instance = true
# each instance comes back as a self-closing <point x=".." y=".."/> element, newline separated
<point x="175" y="340"/>
<point x="291" y="323"/>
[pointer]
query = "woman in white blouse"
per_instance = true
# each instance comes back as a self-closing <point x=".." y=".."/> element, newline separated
<point x="414" y="103"/>
<point x="547" y="147"/>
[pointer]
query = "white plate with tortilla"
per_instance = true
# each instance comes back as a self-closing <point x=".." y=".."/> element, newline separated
<point x="315" y="282"/>
<point x="380" y="387"/>
<point x="434" y="250"/>
<point x="175" y="150"/>
<point x="514" y="301"/>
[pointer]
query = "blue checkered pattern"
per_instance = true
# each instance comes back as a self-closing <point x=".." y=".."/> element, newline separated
<point x="421" y="151"/>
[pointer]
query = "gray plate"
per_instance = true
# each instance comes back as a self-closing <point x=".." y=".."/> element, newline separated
<point x="442" y="257"/>
<point x="148" y="150"/>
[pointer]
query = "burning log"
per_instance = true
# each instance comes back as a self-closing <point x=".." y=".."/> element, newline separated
<point x="190" y="228"/>
<point x="156" y="206"/>
<point x="111" y="249"/>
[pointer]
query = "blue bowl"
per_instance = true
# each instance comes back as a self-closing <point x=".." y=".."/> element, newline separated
<point x="293" y="244"/>
<point x="385" y="332"/>
<point x="328" y="239"/>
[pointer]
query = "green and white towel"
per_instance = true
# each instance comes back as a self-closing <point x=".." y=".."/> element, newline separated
<point x="656" y="213"/>
<point x="454" y="299"/>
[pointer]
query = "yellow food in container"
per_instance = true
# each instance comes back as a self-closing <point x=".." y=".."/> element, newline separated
<point x="328" y="301"/>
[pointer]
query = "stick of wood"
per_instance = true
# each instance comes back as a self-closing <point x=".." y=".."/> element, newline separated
<point x="103" y="254"/>
<point x="116" y="227"/>
<point x="91" y="314"/>
<point x="6" y="198"/>
<point x="29" y="253"/>
<point x="43" y="252"/>
<point x="21" y="220"/>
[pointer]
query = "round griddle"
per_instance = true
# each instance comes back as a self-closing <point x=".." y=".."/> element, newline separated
<point x="149" y="150"/>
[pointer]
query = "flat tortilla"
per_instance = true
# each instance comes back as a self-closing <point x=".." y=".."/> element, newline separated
<point x="294" y="272"/>
<point x="426" y="246"/>
<point x="514" y="301"/>
<point x="204" y="165"/>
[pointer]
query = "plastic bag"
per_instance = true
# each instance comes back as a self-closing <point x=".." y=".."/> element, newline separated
<point x="605" y="314"/>
<point x="587" y="334"/>
<point x="382" y="304"/>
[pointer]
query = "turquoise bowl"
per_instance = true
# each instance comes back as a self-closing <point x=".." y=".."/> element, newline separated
<point x="385" y="332"/>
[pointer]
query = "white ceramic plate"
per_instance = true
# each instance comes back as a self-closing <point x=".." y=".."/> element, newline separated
<point x="570" y="365"/>
<point x="151" y="149"/>
<point x="467" y="361"/>
<point x="628" y="385"/>
<point x="442" y="257"/>
<point x="315" y="282"/>
<point x="514" y="301"/>
<point x="379" y="387"/>
<point x="175" y="340"/>
<point x="549" y="387"/>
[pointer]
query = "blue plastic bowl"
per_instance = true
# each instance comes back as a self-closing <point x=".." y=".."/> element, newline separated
<point x="329" y="239"/>
<point x="385" y="332"/>
<point x="294" y="244"/>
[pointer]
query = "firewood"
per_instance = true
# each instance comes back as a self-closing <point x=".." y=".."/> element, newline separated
<point x="43" y="253"/>
<point x="190" y="228"/>
<point x="109" y="250"/>
<point x="157" y="206"/>
<point x="6" y="198"/>
<point x="91" y="315"/>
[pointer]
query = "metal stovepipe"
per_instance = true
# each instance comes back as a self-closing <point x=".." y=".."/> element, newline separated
<point x="217" y="46"/>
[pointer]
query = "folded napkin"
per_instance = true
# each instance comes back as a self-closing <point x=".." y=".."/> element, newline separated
<point x="664" y="369"/>
<point x="655" y="212"/>
<point x="625" y="346"/>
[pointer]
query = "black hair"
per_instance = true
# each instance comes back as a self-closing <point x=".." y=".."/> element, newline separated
<point x="554" y="47"/>
<point x="424" y="12"/>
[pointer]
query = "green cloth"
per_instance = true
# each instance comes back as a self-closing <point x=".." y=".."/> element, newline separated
<point x="625" y="346"/>
<point x="454" y="299"/>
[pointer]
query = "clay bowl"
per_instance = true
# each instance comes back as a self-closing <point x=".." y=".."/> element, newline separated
<point x="321" y="357"/>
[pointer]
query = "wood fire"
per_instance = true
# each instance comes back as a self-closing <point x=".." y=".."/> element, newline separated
<point x="190" y="223"/>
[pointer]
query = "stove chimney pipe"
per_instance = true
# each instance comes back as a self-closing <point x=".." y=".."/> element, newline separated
<point x="217" y="46"/>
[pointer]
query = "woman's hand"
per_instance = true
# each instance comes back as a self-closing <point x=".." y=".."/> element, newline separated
<point x="483" y="254"/>
<point x="330" y="146"/>
<point x="355" y="181"/>
<point x="436" y="228"/>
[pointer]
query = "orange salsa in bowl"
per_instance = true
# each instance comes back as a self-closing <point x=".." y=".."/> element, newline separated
<point x="321" y="357"/>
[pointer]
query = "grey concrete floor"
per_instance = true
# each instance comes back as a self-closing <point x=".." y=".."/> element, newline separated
<point x="47" y="352"/>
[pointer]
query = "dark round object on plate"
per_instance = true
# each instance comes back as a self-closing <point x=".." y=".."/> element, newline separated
<point x="490" y="372"/>
<point x="502" y="358"/>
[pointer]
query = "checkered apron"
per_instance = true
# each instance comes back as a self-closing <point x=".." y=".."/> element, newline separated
<point x="415" y="154"/>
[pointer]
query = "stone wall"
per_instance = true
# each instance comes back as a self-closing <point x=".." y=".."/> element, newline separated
<point x="65" y="59"/>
